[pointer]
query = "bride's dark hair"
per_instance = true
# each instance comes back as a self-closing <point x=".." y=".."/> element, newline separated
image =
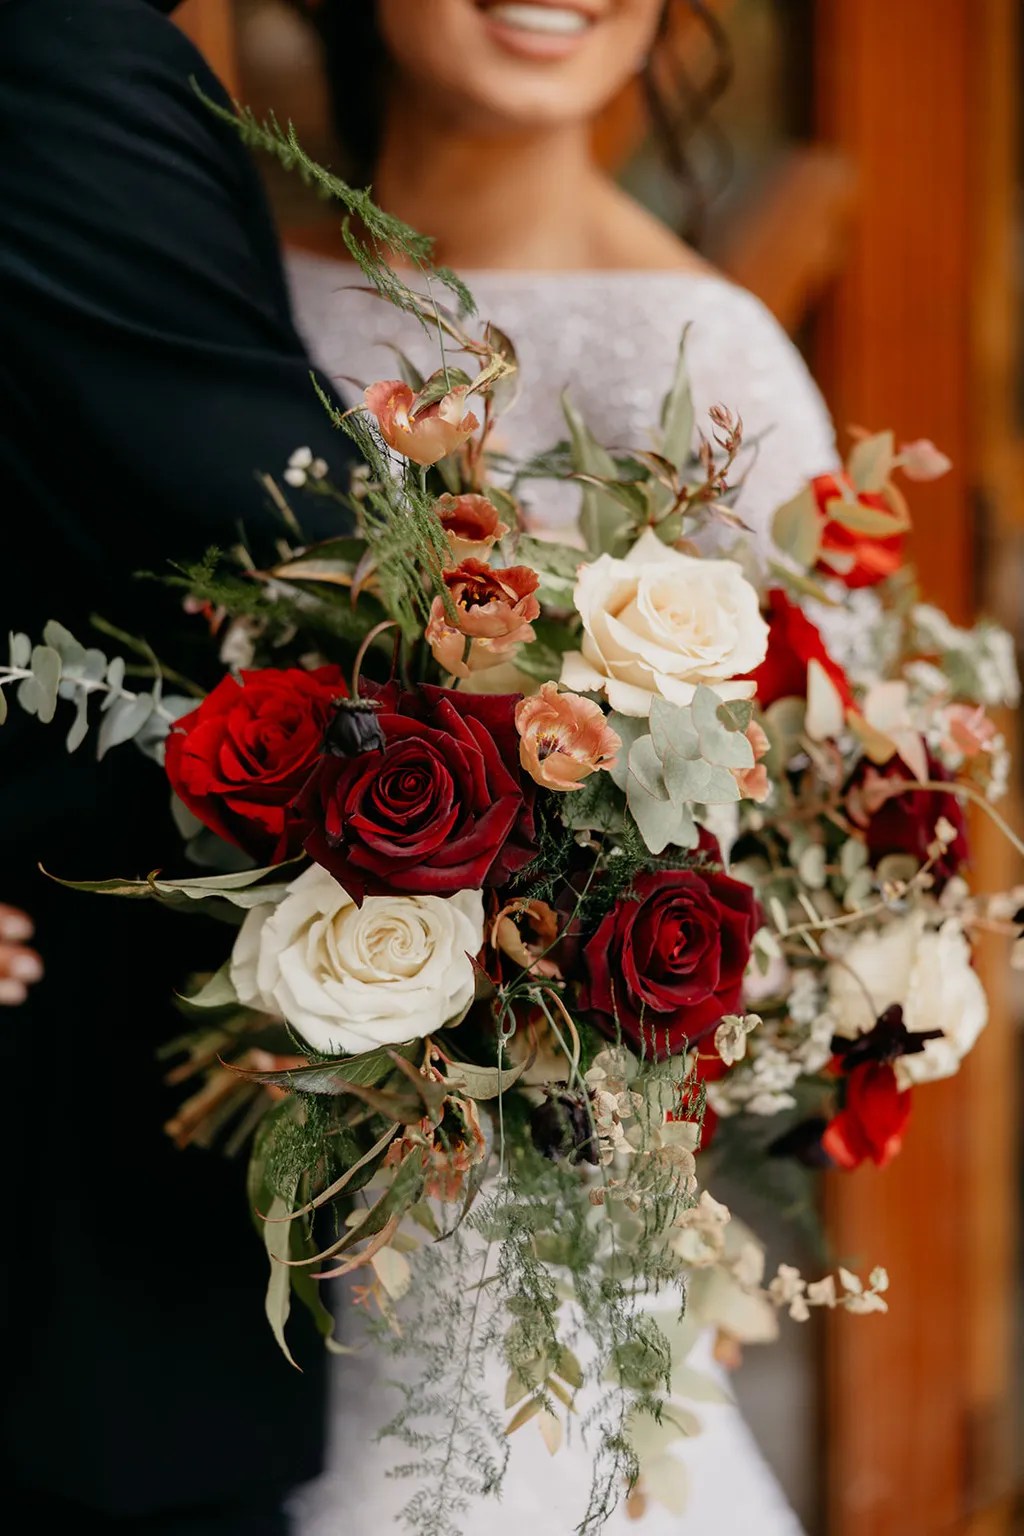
<point x="678" y="104"/>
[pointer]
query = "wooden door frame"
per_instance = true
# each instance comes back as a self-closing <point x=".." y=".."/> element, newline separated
<point x="918" y="94"/>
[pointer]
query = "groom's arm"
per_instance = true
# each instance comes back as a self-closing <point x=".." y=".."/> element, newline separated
<point x="149" y="367"/>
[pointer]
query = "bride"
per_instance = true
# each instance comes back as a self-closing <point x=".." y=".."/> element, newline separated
<point x="474" y="118"/>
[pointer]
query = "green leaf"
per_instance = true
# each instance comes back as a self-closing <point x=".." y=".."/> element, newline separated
<point x="438" y="385"/>
<point x="244" y="889"/>
<point x="505" y="390"/>
<point x="557" y="565"/>
<point x="217" y="992"/>
<point x="463" y="1077"/>
<point x="602" y="524"/>
<point x="677" y="414"/>
<point x="541" y="658"/>
<point x="3" y="706"/>
<point x="867" y="520"/>
<point x="796" y="528"/>
<point x="407" y="369"/>
<point x="277" y="1237"/>
<point x="871" y="462"/>
<point x="404" y="1191"/>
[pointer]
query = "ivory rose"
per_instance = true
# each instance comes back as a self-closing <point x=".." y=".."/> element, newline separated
<point x="471" y="523"/>
<point x="563" y="739"/>
<point x="658" y="623"/>
<point x="424" y="435"/>
<point x="926" y="970"/>
<point x="349" y="979"/>
<point x="493" y="610"/>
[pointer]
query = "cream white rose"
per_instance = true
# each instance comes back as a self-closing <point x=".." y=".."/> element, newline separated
<point x="658" y="623"/>
<point x="928" y="971"/>
<point x="349" y="979"/>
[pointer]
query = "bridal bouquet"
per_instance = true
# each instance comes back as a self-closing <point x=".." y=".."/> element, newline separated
<point x="551" y="872"/>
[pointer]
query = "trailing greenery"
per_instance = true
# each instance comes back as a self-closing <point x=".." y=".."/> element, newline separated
<point x="381" y="237"/>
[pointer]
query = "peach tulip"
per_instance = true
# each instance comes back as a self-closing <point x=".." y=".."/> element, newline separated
<point x="563" y="738"/>
<point x="425" y="435"/>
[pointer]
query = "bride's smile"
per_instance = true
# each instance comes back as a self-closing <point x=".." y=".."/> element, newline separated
<point x="541" y="29"/>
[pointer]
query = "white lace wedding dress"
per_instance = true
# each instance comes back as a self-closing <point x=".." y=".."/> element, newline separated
<point x="611" y="338"/>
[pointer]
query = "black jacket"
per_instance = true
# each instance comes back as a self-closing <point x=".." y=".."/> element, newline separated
<point x="148" y="369"/>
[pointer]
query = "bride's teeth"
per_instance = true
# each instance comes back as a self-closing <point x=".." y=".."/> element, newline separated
<point x="539" y="18"/>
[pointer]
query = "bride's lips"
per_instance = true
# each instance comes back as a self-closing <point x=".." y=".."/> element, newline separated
<point x="540" y="29"/>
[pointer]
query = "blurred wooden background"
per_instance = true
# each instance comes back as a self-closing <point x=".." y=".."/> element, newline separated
<point x="881" y="229"/>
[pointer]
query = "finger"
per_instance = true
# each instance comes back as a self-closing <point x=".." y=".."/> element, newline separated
<point x="19" y="964"/>
<point x="12" y="992"/>
<point x="15" y="926"/>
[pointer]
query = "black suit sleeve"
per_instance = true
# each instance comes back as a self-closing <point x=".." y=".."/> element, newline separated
<point x="149" y="367"/>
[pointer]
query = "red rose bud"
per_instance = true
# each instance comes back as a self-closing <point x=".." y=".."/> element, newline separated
<point x="793" y="643"/>
<point x="441" y="807"/>
<point x="856" y="559"/>
<point x="667" y="961"/>
<point x="906" y="822"/>
<point x="872" y="1121"/>
<point x="241" y="757"/>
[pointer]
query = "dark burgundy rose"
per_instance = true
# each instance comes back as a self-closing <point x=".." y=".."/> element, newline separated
<point x="905" y="823"/>
<point x="442" y="807"/>
<point x="667" y="961"/>
<point x="240" y="758"/>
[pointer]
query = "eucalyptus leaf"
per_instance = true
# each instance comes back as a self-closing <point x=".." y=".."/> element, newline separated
<point x="80" y="725"/>
<point x="645" y="770"/>
<point x="661" y="823"/>
<point x="46" y="670"/>
<point x="629" y="729"/>
<point x="673" y="729"/>
<point x="796" y="528"/>
<point x="694" y="781"/>
<point x="123" y="720"/>
<point x="20" y="650"/>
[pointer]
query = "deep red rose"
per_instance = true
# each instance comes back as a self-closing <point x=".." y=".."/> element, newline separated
<point x="905" y="823"/>
<point x="872" y="1121"/>
<point x="856" y="559"/>
<point x="244" y="754"/>
<point x="442" y="807"/>
<point x="667" y="961"/>
<point x="793" y="642"/>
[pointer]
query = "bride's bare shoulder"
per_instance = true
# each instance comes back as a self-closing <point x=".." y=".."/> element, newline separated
<point x="629" y="237"/>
